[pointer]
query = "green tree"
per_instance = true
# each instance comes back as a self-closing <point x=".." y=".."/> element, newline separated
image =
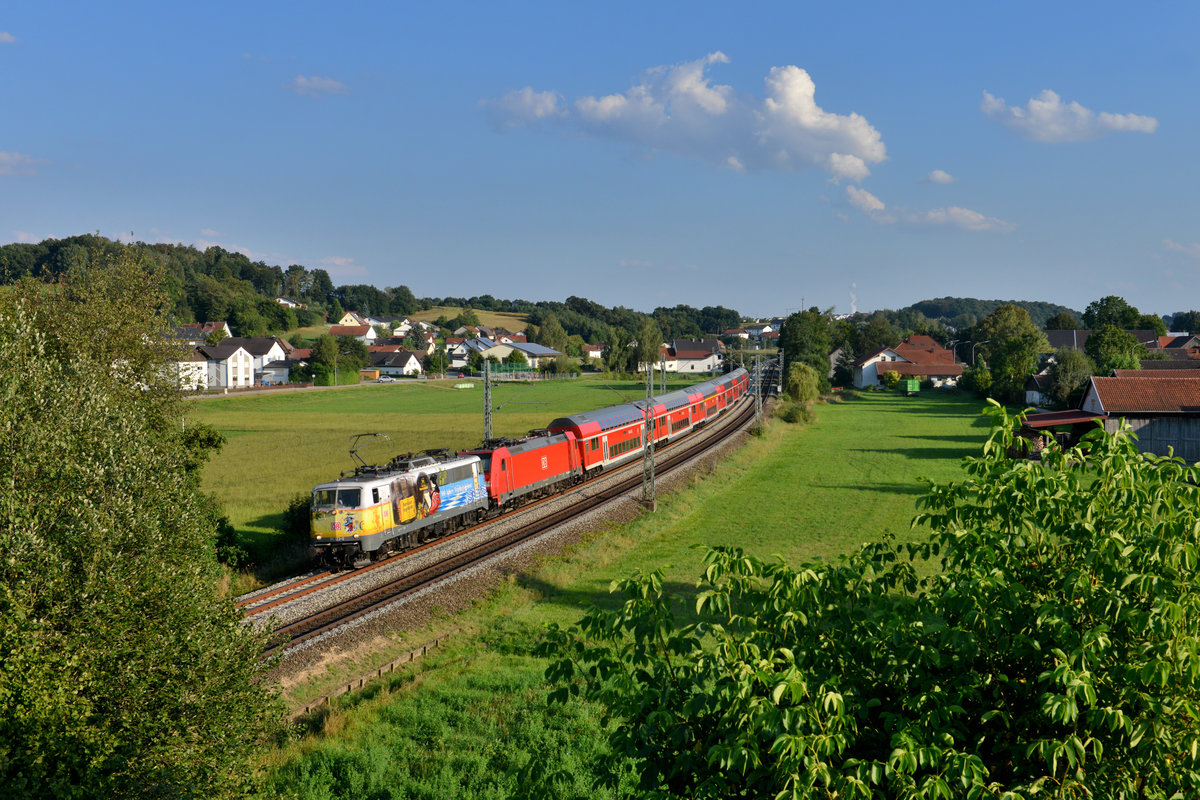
<point x="977" y="379"/>
<point x="1062" y="321"/>
<point x="1047" y="652"/>
<point x="516" y="357"/>
<point x="803" y="384"/>
<point x="805" y="339"/>
<point x="1186" y="321"/>
<point x="1151" y="322"/>
<point x="649" y="343"/>
<point x="843" y="371"/>
<point x="123" y="673"/>
<point x="1112" y="348"/>
<point x="1110" y="310"/>
<point x="325" y="351"/>
<point x="877" y="332"/>
<point x="1011" y="343"/>
<point x="1069" y="376"/>
<point x="552" y="335"/>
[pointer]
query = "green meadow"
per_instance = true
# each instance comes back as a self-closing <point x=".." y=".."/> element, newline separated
<point x="472" y="721"/>
<point x="280" y="445"/>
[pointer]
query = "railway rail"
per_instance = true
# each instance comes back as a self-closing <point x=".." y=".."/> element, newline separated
<point x="335" y="616"/>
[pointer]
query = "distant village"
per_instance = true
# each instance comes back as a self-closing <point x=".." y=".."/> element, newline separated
<point x="218" y="360"/>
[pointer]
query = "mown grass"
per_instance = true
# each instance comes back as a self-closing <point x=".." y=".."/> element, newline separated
<point x="514" y="322"/>
<point x="813" y="492"/>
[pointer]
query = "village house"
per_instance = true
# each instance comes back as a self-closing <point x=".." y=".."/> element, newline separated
<point x="288" y="302"/>
<point x="364" y="333"/>
<point x="915" y="357"/>
<point x="398" y="362"/>
<point x="352" y="318"/>
<point x="229" y="366"/>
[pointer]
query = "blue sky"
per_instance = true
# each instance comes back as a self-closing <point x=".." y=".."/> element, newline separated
<point x="755" y="155"/>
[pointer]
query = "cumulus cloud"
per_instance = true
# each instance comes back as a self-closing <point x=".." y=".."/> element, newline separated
<point x="863" y="200"/>
<point x="679" y="109"/>
<point x="953" y="216"/>
<point x="317" y="85"/>
<point x="342" y="266"/>
<point x="1189" y="250"/>
<point x="7" y="38"/>
<point x="522" y="107"/>
<point x="16" y="164"/>
<point x="1046" y="118"/>
<point x="939" y="176"/>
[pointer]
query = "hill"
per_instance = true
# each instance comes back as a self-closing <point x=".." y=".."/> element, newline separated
<point x="958" y="311"/>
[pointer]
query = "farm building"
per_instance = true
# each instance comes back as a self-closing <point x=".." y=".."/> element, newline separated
<point x="1164" y="412"/>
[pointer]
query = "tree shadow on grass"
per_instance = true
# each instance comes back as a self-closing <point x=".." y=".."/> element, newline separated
<point x="928" y="453"/>
<point x="881" y="488"/>
<point x="595" y="593"/>
<point x="969" y="438"/>
<point x="272" y="552"/>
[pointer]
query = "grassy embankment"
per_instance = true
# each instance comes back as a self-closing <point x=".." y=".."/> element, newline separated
<point x="470" y="719"/>
<point x="280" y="445"/>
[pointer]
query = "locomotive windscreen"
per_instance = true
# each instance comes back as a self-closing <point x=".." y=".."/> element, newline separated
<point x="337" y="498"/>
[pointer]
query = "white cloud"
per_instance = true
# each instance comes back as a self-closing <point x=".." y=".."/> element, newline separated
<point x="953" y="216"/>
<point x="1046" y="118"/>
<point x="864" y="200"/>
<point x="678" y="109"/>
<point x="210" y="233"/>
<point x="1189" y="250"/>
<point x="7" y="38"/>
<point x="342" y="266"/>
<point x="16" y="164"/>
<point x="522" y="107"/>
<point x="963" y="218"/>
<point x="939" y="176"/>
<point x="317" y="85"/>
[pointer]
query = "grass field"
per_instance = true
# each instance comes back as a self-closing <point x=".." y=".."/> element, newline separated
<point x="280" y="445"/>
<point x="514" y="322"/>
<point x="477" y="712"/>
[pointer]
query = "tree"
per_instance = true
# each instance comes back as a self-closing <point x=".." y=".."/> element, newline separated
<point x="803" y="384"/>
<point x="124" y="674"/>
<point x="1186" y="321"/>
<point x="877" y="332"/>
<point x="1046" y="652"/>
<point x="1069" y="376"/>
<point x="843" y="371"/>
<point x="649" y="344"/>
<point x="977" y="379"/>
<point x="1110" y="310"/>
<point x="1062" y="321"/>
<point x="805" y="340"/>
<point x="516" y="357"/>
<point x="1011" y="343"/>
<point x="552" y="335"/>
<point x="1151" y="322"/>
<point x="325" y="351"/>
<point x="1112" y="348"/>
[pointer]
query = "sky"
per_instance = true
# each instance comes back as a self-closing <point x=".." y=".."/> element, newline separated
<point x="761" y="156"/>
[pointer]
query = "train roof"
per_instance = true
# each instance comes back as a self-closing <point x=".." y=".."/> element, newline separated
<point x="399" y="466"/>
<point x="606" y="418"/>
<point x="671" y="400"/>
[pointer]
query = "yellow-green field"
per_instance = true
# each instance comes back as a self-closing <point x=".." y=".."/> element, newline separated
<point x="280" y="445"/>
<point x="514" y="322"/>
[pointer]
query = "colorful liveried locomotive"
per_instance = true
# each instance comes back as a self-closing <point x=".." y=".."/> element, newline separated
<point x="378" y="510"/>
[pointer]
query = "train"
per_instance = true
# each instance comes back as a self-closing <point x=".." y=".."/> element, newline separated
<point x="378" y="510"/>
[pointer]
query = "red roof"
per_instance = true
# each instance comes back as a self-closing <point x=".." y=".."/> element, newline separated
<point x="385" y="348"/>
<point x="924" y="350"/>
<point x="904" y="368"/>
<point x="302" y="353"/>
<point x="1053" y="418"/>
<point x="1154" y="395"/>
<point x="349" y="330"/>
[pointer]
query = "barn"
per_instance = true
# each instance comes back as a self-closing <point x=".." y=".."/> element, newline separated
<point x="1164" y="412"/>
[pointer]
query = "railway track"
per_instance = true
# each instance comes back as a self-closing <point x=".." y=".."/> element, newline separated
<point x="335" y="616"/>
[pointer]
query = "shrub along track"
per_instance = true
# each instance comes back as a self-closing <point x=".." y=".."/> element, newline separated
<point x="324" y="622"/>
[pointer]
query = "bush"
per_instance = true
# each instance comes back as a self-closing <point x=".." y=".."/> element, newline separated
<point x="297" y="519"/>
<point x="796" y="412"/>
<point x="891" y="379"/>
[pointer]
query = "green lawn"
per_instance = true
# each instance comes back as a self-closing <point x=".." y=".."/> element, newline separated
<point x="478" y="707"/>
<point x="280" y="445"/>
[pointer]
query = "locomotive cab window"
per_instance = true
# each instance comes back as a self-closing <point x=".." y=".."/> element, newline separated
<point x="375" y="495"/>
<point x="337" y="498"/>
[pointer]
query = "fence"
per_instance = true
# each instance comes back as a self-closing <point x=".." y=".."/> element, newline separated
<point x="367" y="677"/>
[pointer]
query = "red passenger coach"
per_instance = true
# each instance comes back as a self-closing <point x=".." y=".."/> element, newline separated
<point x="606" y="436"/>
<point x="522" y="469"/>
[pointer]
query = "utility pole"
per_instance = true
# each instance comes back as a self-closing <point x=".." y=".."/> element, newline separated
<point x="663" y="372"/>
<point x="648" y="449"/>
<point x="757" y="394"/>
<point x="487" y="400"/>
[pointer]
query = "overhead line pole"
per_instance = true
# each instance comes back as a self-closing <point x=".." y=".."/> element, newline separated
<point x="648" y="447"/>
<point x="487" y="400"/>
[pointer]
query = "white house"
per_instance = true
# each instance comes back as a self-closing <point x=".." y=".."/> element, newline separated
<point x="288" y="302"/>
<point x="400" y="362"/>
<point x="269" y="354"/>
<point x="364" y="333"/>
<point x="229" y="366"/>
<point x="192" y="371"/>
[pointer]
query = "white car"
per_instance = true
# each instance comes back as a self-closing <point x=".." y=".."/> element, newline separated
<point x="386" y="379"/>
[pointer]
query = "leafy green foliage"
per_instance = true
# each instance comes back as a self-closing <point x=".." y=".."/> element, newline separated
<point x="1053" y="654"/>
<point x="123" y="673"/>
<point x="805" y="339"/>
<point x="977" y="379"/>
<point x="890" y="378"/>
<point x="1062" y="321"/>
<point x="1111" y="310"/>
<point x="1069" y="376"/>
<point x="946" y="309"/>
<point x="1011" y="343"/>
<point x="1112" y="348"/>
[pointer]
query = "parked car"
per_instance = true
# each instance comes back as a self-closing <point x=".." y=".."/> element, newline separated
<point x="386" y="379"/>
